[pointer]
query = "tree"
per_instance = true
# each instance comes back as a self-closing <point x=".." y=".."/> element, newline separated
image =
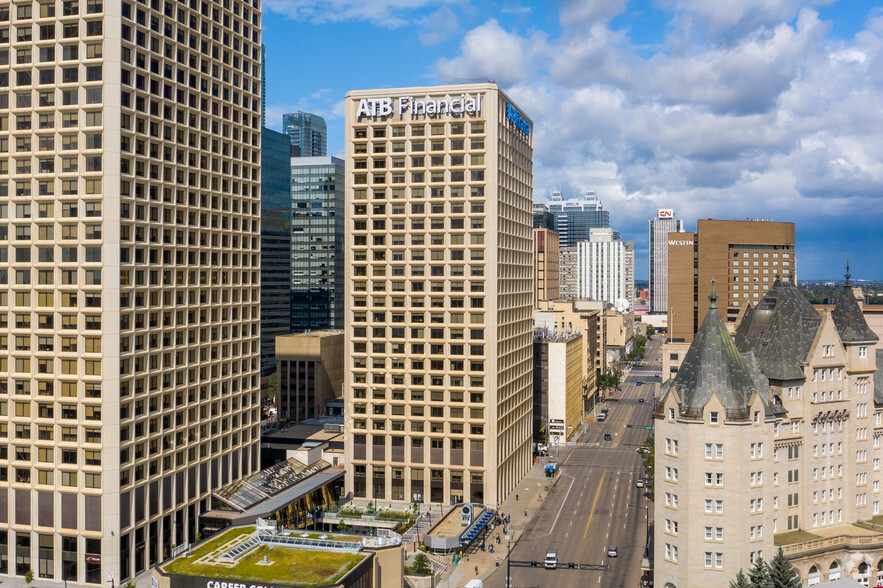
<point x="421" y="565"/>
<point x="614" y="369"/>
<point x="272" y="385"/>
<point x="741" y="581"/>
<point x="759" y="575"/>
<point x="29" y="577"/>
<point x="781" y="573"/>
<point x="649" y="459"/>
<point x="651" y="330"/>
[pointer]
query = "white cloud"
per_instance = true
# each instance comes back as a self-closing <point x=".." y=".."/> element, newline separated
<point x="438" y="26"/>
<point x="755" y="112"/>
<point x="490" y="52"/>
<point x="385" y="13"/>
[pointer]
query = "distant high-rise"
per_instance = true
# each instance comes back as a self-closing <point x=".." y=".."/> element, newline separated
<point x="602" y="266"/>
<point x="576" y="217"/>
<point x="318" y="221"/>
<point x="542" y="218"/>
<point x="546" y="280"/>
<point x="660" y="227"/>
<point x="308" y="132"/>
<point x="743" y="256"/>
<point x="567" y="273"/>
<point x="275" y="244"/>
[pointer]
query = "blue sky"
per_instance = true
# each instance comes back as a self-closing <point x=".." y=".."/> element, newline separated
<point x="724" y="109"/>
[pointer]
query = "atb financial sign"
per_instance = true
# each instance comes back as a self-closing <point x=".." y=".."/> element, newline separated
<point x="430" y="107"/>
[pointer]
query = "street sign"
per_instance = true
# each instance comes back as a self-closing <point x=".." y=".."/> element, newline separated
<point x="555" y="440"/>
<point x="648" y="426"/>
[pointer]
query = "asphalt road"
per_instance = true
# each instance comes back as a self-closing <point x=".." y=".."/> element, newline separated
<point x="595" y="503"/>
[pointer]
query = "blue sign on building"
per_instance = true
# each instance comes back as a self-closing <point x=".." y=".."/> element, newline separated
<point x="518" y="119"/>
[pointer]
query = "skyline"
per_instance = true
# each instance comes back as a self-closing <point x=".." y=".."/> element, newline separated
<point x="729" y="111"/>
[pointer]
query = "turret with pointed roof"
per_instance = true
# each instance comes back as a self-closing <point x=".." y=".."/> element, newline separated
<point x="779" y="331"/>
<point x="713" y="365"/>
<point x="848" y="317"/>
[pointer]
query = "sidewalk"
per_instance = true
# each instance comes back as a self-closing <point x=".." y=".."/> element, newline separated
<point x="486" y="561"/>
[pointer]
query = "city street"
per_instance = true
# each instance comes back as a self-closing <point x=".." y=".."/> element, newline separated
<point x="595" y="503"/>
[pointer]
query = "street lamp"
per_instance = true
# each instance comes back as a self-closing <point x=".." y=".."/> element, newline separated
<point x="509" y="559"/>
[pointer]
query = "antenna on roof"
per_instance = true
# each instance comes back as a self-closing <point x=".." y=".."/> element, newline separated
<point x="847" y="272"/>
<point x="712" y="297"/>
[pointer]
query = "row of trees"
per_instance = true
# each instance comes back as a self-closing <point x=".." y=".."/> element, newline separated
<point x="779" y="573"/>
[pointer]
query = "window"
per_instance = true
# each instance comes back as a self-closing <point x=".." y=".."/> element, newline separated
<point x="713" y="418"/>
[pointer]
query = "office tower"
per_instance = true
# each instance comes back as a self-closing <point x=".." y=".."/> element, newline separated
<point x="275" y="244"/>
<point x="545" y="269"/>
<point x="601" y="268"/>
<point x="568" y="274"/>
<point x="439" y="292"/>
<point x="130" y="197"/>
<point x="576" y="217"/>
<point x="743" y="256"/>
<point x="660" y="227"/>
<point x="308" y="132"/>
<point x="772" y="447"/>
<point x="629" y="272"/>
<point x="542" y="218"/>
<point x="318" y="220"/>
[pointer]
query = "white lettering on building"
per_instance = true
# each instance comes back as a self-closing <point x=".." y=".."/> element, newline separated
<point x="383" y="107"/>
<point x="680" y="242"/>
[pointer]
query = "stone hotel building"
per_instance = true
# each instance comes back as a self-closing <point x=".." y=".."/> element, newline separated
<point x="439" y="294"/>
<point x="772" y="438"/>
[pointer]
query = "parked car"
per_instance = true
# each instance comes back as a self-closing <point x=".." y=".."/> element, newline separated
<point x="612" y="551"/>
<point x="639" y="383"/>
<point x="608" y="437"/>
<point x="639" y="483"/>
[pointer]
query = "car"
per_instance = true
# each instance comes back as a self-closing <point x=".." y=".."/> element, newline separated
<point x="612" y="551"/>
<point x="602" y="416"/>
<point x="608" y="437"/>
<point x="643" y="450"/>
<point x="639" y="483"/>
<point x="639" y="383"/>
<point x="640" y="400"/>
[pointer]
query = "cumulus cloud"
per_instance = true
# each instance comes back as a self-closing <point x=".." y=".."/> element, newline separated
<point x="385" y="13"/>
<point x="490" y="52"/>
<point x="752" y="110"/>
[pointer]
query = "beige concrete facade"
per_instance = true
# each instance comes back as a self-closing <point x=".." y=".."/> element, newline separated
<point x="309" y="368"/>
<point x="744" y="257"/>
<point x="568" y="268"/>
<point x="558" y="384"/>
<point x="546" y="272"/>
<point x="585" y="317"/>
<point x="439" y="291"/>
<point x="130" y="189"/>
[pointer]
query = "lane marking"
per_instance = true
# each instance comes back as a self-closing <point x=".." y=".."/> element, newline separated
<point x="592" y="512"/>
<point x="572" y="480"/>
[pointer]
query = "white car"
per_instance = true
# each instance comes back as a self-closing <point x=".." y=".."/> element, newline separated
<point x="639" y="483"/>
<point x="612" y="551"/>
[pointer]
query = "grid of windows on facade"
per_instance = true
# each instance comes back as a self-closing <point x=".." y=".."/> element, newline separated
<point x="418" y="315"/>
<point x="317" y="243"/>
<point x="185" y="226"/>
<point x="754" y="268"/>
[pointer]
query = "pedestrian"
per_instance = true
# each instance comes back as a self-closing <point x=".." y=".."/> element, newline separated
<point x="476" y="570"/>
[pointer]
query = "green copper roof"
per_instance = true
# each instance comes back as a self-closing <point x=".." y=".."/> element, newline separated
<point x="849" y="320"/>
<point x="779" y="331"/>
<point x="714" y="365"/>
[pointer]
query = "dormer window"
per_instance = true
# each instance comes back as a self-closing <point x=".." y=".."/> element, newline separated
<point x="862" y="352"/>
<point x="756" y="416"/>
<point x="713" y="418"/>
<point x="671" y="414"/>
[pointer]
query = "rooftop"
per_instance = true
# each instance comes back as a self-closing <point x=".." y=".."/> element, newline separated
<point x="291" y="565"/>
